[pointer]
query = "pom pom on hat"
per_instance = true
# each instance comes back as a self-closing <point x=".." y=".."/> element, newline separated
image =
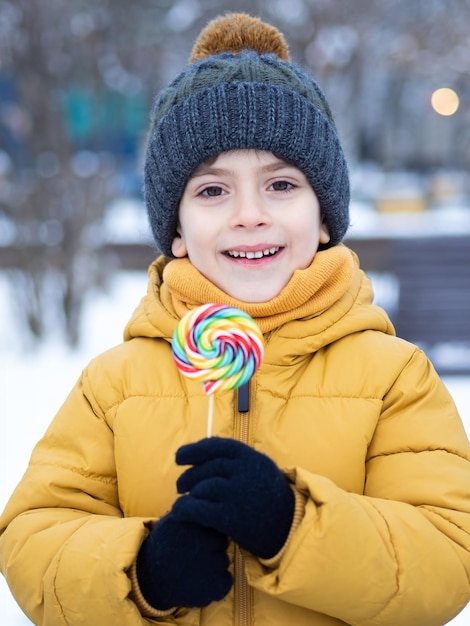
<point x="236" y="32"/>
<point x="240" y="91"/>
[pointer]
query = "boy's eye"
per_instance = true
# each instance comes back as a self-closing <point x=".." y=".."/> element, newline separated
<point x="212" y="191"/>
<point x="281" y="185"/>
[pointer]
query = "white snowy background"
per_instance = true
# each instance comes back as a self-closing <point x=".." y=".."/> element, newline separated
<point x="33" y="384"/>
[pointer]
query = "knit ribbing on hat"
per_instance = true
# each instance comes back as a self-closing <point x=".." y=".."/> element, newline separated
<point x="228" y="102"/>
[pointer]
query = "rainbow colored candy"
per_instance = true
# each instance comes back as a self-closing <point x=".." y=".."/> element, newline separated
<point x="219" y="345"/>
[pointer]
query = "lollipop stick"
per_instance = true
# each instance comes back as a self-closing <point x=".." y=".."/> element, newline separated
<point x="210" y="415"/>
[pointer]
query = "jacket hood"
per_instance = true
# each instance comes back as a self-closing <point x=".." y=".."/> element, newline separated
<point x="353" y="311"/>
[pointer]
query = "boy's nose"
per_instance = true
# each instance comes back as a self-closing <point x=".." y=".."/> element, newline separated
<point x="250" y="212"/>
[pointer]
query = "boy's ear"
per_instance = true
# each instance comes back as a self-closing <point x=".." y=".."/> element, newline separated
<point x="178" y="247"/>
<point x="324" y="232"/>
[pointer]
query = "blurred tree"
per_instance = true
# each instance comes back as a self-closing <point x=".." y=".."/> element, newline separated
<point x="74" y="114"/>
<point x="56" y="190"/>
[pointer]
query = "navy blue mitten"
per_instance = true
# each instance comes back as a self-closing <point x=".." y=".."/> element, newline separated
<point x="238" y="491"/>
<point x="183" y="564"/>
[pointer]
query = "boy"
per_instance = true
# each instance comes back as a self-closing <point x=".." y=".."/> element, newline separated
<point x="342" y="495"/>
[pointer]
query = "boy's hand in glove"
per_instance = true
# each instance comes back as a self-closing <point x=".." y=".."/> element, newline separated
<point x="237" y="491"/>
<point x="183" y="564"/>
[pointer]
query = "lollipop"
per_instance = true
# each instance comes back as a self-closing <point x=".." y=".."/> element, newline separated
<point x="219" y="345"/>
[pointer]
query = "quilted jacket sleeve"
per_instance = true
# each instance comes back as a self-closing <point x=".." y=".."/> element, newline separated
<point x="399" y="553"/>
<point x="63" y="536"/>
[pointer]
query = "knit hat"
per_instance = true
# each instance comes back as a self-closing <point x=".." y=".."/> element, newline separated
<point x="241" y="91"/>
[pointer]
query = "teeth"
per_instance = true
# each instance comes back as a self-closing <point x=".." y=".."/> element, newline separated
<point x="259" y="254"/>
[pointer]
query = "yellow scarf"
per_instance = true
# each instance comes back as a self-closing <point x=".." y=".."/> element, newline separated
<point x="308" y="293"/>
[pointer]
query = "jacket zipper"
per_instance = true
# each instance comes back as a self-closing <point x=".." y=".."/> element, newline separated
<point x="242" y="590"/>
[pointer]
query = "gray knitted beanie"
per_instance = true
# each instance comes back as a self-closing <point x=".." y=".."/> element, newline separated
<point x="239" y="92"/>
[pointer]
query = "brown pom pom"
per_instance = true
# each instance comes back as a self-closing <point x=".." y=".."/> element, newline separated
<point x="238" y="31"/>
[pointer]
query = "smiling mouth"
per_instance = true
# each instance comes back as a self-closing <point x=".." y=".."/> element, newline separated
<point x="259" y="254"/>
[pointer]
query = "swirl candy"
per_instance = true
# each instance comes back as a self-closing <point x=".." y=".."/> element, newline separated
<point x="219" y="345"/>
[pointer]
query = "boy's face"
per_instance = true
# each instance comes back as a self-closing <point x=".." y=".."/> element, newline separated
<point x="247" y="221"/>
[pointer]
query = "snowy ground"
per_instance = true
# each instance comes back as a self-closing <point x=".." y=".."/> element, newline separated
<point x="32" y="387"/>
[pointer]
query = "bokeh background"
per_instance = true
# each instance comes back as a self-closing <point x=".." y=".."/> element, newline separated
<point x="77" y="82"/>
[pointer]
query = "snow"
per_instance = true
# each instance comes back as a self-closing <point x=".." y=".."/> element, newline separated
<point x="33" y="385"/>
<point x="366" y="222"/>
<point x="125" y="221"/>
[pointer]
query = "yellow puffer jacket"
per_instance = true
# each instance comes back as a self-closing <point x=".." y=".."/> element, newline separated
<point x="358" y="420"/>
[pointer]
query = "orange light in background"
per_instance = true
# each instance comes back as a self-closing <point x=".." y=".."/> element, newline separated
<point x="445" y="101"/>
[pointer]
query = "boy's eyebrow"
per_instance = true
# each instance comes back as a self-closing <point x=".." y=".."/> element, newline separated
<point x="204" y="169"/>
<point x="207" y="168"/>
